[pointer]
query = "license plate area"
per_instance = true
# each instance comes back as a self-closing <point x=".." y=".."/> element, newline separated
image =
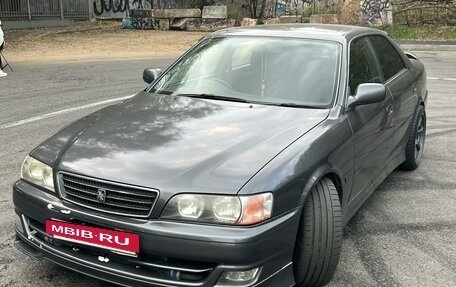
<point x="113" y="240"/>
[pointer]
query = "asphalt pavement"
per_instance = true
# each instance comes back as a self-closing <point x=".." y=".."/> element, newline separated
<point x="404" y="235"/>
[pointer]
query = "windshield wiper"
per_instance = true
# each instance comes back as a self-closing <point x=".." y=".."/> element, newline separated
<point x="214" y="97"/>
<point x="293" y="105"/>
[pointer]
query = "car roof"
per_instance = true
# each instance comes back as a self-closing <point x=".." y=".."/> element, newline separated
<point x="333" y="32"/>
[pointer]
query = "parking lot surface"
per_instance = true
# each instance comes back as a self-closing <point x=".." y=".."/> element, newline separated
<point x="404" y="235"/>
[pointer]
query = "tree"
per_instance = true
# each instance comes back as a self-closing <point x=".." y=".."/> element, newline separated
<point x="255" y="6"/>
<point x="262" y="10"/>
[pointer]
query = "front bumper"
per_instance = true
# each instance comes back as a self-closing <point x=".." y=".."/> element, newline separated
<point x="172" y="253"/>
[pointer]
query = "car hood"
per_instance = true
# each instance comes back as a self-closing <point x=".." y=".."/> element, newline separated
<point x="185" y="144"/>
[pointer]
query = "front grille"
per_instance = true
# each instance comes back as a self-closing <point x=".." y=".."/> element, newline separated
<point x="107" y="196"/>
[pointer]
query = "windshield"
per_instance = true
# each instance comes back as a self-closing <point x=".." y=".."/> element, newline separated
<point x="256" y="69"/>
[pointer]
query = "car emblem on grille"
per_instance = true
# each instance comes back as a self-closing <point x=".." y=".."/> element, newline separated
<point x="101" y="195"/>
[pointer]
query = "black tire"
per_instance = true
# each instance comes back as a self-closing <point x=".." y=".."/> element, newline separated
<point x="319" y="240"/>
<point x="415" y="144"/>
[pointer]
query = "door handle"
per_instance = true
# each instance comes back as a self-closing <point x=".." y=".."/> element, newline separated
<point x="389" y="110"/>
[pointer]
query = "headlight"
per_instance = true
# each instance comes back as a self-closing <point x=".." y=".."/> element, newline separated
<point x="36" y="172"/>
<point x="234" y="210"/>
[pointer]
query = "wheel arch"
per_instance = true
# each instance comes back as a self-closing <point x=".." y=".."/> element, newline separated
<point x="319" y="174"/>
<point x="334" y="177"/>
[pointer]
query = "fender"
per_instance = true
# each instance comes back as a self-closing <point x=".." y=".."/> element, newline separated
<point x="327" y="149"/>
<point x="336" y="177"/>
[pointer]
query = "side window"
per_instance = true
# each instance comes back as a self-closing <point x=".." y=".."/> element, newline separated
<point x="363" y="67"/>
<point x="390" y="60"/>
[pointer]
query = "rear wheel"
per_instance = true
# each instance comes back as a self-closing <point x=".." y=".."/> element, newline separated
<point x="319" y="240"/>
<point x="415" y="144"/>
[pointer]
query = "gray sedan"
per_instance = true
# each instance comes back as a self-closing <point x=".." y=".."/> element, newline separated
<point x="237" y="166"/>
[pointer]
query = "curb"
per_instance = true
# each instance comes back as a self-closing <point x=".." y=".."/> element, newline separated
<point x="427" y="47"/>
<point x="417" y="45"/>
<point x="71" y="31"/>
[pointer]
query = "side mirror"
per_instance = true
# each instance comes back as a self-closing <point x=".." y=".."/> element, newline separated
<point x="367" y="94"/>
<point x="150" y="75"/>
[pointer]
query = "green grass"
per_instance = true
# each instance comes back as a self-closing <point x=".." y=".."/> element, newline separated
<point x="403" y="32"/>
<point x="449" y="34"/>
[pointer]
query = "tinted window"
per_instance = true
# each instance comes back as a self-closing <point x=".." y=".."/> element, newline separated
<point x="388" y="57"/>
<point x="363" y="67"/>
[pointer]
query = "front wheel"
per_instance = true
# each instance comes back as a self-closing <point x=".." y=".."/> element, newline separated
<point x="319" y="240"/>
<point x="415" y="143"/>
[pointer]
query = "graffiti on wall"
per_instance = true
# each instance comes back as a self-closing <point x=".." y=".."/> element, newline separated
<point x="143" y="23"/>
<point x="376" y="12"/>
<point x="103" y="7"/>
<point x="279" y="8"/>
<point x="282" y="7"/>
<point x="140" y="4"/>
<point x="165" y="4"/>
<point x="272" y="7"/>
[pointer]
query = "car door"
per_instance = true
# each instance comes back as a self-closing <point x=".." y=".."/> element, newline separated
<point x="372" y="123"/>
<point x="400" y="82"/>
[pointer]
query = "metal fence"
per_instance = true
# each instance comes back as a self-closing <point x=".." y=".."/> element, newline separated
<point x="16" y="10"/>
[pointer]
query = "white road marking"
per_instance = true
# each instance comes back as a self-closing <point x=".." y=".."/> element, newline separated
<point x="61" y="112"/>
<point x="441" y="79"/>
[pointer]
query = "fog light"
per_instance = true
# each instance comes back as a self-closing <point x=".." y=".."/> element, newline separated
<point x="239" y="278"/>
<point x="18" y="224"/>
